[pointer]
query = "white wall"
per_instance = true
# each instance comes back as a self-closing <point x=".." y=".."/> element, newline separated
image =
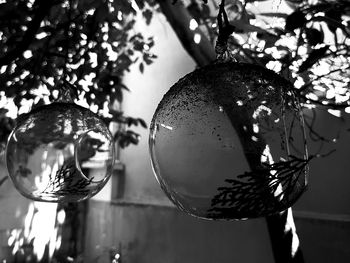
<point x="146" y="92"/>
<point x="329" y="180"/>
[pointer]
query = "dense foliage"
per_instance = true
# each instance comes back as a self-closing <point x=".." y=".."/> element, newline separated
<point x="89" y="43"/>
<point x="305" y="41"/>
<point x="92" y="43"/>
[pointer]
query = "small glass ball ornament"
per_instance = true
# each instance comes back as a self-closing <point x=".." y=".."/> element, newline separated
<point x="49" y="153"/>
<point x="227" y="141"/>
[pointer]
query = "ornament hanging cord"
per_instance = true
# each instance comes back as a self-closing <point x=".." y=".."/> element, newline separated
<point x="67" y="42"/>
<point x="68" y="91"/>
<point x="225" y="30"/>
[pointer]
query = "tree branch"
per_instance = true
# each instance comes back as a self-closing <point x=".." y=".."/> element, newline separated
<point x="310" y="83"/>
<point x="178" y="17"/>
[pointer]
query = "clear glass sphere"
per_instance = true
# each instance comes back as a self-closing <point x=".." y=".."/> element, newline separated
<point x="51" y="150"/>
<point x="227" y="142"/>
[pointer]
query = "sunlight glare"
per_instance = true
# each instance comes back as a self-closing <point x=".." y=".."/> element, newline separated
<point x="3" y="68"/>
<point x="41" y="35"/>
<point x="197" y="38"/>
<point x="93" y="59"/>
<point x="27" y="54"/>
<point x="290" y="227"/>
<point x="336" y="113"/>
<point x="193" y="24"/>
<point x="42" y="227"/>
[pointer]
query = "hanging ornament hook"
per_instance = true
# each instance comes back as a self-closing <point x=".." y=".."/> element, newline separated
<point x="225" y="30"/>
<point x="67" y="91"/>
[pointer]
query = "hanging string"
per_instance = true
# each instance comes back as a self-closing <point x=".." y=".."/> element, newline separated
<point x="225" y="30"/>
<point x="67" y="42"/>
<point x="67" y="91"/>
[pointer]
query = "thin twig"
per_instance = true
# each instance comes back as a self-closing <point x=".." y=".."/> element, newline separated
<point x="305" y="86"/>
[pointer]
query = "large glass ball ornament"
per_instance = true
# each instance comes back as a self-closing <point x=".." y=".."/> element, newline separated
<point x="227" y="141"/>
<point x="51" y="149"/>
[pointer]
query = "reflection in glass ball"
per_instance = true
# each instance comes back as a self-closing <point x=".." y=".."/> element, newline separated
<point x="227" y="142"/>
<point x="51" y="149"/>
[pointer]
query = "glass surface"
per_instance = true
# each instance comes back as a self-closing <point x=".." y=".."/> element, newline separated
<point x="50" y="151"/>
<point x="227" y="142"/>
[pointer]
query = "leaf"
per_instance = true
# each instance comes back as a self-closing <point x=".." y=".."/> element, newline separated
<point x="295" y="20"/>
<point x="254" y="192"/>
<point x="147" y="59"/>
<point x="141" y="67"/>
<point x="314" y="36"/>
<point x="130" y="52"/>
<point x="147" y="14"/>
<point x="142" y="123"/>
<point x="17" y="100"/>
<point x="314" y="56"/>
<point x="124" y="138"/>
<point x="131" y="121"/>
<point x="270" y="39"/>
<point x="334" y="16"/>
<point x="135" y="37"/>
<point x="122" y="86"/>
<point x="150" y="42"/>
<point x="140" y="3"/>
<point x="118" y="95"/>
<point x="133" y="137"/>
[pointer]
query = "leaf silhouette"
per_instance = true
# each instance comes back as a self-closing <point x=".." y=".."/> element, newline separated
<point x="260" y="192"/>
<point x="67" y="182"/>
<point x="314" y="36"/>
<point x="313" y="57"/>
<point x="295" y="20"/>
